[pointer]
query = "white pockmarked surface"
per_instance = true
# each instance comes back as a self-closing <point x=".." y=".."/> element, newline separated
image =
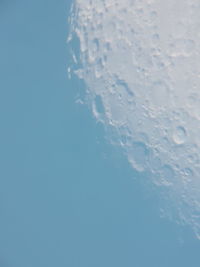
<point x="140" y="60"/>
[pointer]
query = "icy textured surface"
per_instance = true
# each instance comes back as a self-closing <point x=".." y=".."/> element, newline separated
<point x="140" y="60"/>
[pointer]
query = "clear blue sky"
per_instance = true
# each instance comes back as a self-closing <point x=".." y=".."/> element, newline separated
<point x="67" y="198"/>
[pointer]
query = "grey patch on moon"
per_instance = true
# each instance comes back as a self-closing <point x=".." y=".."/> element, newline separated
<point x="140" y="60"/>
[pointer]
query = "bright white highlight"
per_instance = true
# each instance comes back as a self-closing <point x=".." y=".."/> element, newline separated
<point x="140" y="60"/>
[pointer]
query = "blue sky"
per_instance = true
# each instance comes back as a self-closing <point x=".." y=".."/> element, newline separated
<point x="67" y="198"/>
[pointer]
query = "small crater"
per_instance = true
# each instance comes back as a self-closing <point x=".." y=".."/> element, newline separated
<point x="179" y="135"/>
<point x="139" y="156"/>
<point x="167" y="175"/>
<point x="98" y="106"/>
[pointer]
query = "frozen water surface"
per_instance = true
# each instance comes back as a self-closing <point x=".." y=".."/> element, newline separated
<point x="140" y="61"/>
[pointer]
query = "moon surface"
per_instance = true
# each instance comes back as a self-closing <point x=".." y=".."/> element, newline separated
<point x="140" y="61"/>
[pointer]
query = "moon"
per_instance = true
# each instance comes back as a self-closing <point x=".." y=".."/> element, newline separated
<point x="140" y="61"/>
